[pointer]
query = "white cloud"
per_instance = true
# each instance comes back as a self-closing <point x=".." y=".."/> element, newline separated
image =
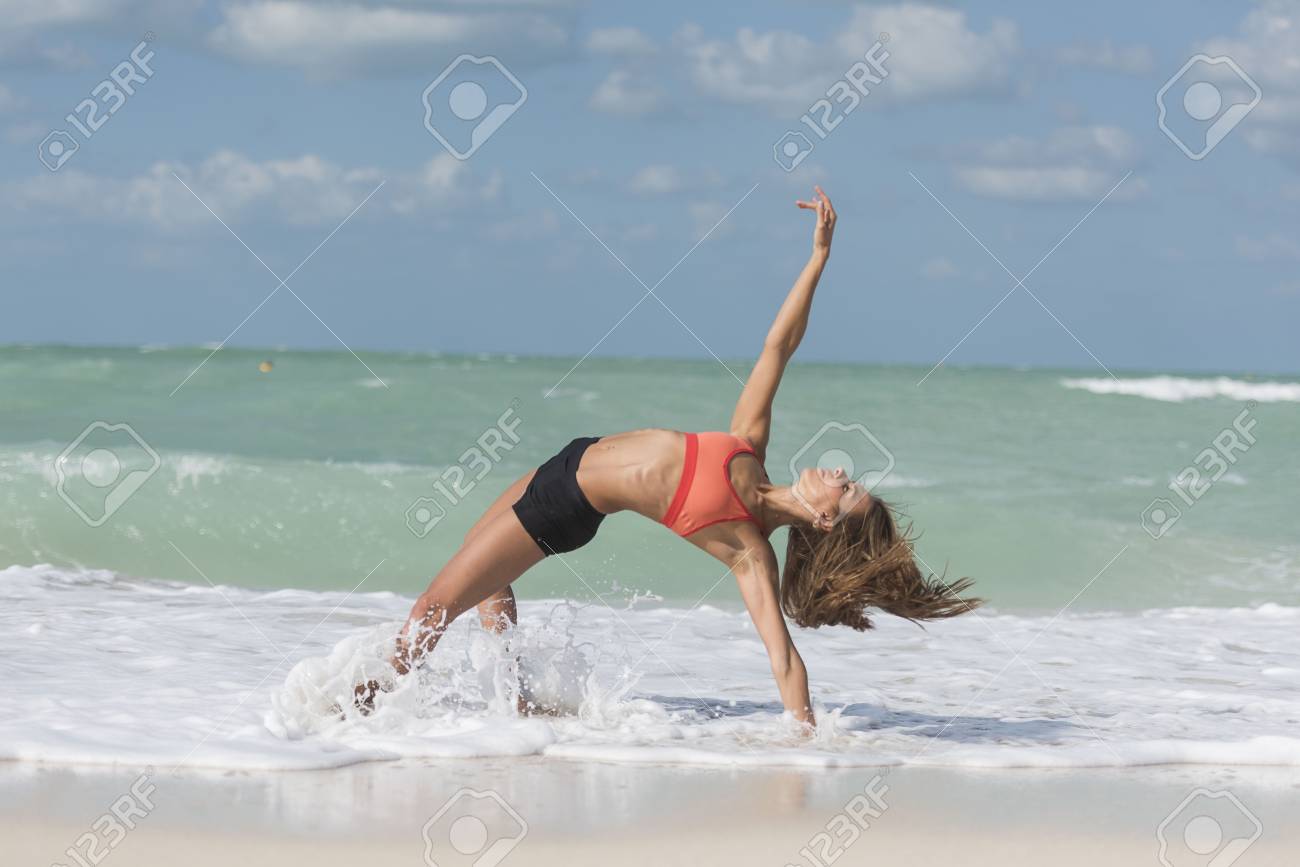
<point x="1074" y="143"/>
<point x="628" y="93"/>
<point x="1269" y="247"/>
<point x="622" y="41"/>
<point x="64" y="56"/>
<point x="933" y="53"/>
<point x="778" y="69"/>
<point x="526" y="227"/>
<point x="708" y="218"/>
<point x="1278" y="140"/>
<point x="1127" y="59"/>
<point x="1048" y="184"/>
<point x="660" y="180"/>
<point x="939" y="269"/>
<point x="584" y="175"/>
<point x="1268" y="44"/>
<point x="1078" y="163"/>
<point x="1267" y="48"/>
<point x="22" y="14"/>
<point x="25" y="132"/>
<point x="9" y="101"/>
<point x="640" y="233"/>
<point x="29" y="28"/>
<point x="303" y="190"/>
<point x="656" y="180"/>
<point x="327" y="39"/>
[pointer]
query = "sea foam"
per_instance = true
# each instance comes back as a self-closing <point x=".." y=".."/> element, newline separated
<point x="1176" y="389"/>
<point x="104" y="669"/>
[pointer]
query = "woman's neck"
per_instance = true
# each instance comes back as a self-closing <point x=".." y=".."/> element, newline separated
<point x="778" y="507"/>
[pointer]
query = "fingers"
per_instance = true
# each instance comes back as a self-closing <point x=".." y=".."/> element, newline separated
<point x="827" y="199"/>
<point x="821" y="204"/>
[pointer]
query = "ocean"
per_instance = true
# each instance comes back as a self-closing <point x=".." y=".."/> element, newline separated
<point x="197" y="558"/>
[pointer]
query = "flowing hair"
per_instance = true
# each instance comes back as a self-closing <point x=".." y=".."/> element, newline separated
<point x="865" y="561"/>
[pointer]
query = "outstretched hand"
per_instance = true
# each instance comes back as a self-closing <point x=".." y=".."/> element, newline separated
<point x="825" y="226"/>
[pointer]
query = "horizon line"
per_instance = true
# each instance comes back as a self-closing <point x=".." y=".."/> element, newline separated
<point x="147" y="348"/>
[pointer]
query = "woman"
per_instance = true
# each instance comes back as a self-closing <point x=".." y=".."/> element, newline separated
<point x="844" y="554"/>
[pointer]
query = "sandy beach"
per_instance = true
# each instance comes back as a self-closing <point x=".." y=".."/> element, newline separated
<point x="591" y="813"/>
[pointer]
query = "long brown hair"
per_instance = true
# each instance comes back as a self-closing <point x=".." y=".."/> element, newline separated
<point x="864" y="561"/>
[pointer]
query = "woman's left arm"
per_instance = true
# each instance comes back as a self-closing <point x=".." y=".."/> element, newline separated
<point x="756" y="573"/>
<point x="752" y="419"/>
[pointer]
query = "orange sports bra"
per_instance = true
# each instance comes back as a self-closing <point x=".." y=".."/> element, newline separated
<point x="705" y="494"/>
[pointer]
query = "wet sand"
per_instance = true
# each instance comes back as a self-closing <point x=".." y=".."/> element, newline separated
<point x="575" y="813"/>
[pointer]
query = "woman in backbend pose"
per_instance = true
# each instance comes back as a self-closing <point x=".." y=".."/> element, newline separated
<point x="845" y="553"/>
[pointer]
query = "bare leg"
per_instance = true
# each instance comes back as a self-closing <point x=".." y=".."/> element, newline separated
<point x="498" y="612"/>
<point x="496" y="551"/>
<point x="494" y="557"/>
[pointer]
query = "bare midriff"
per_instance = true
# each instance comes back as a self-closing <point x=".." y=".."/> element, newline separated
<point x="641" y="471"/>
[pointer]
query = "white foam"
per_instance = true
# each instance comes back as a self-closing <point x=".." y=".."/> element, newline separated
<point x="1177" y="389"/>
<point x="187" y="470"/>
<point x="190" y="469"/>
<point x="582" y="395"/>
<point x="895" y="480"/>
<point x="102" y="669"/>
<point x="384" y="469"/>
<point x="22" y="463"/>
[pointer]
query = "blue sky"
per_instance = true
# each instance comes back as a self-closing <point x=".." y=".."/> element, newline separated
<point x="650" y="122"/>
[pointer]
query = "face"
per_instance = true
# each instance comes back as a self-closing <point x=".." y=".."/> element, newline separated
<point x="831" y="493"/>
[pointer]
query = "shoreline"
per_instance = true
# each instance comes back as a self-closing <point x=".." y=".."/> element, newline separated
<point x="596" y="813"/>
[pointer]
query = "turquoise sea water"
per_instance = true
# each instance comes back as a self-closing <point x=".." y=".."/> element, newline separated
<point x="305" y="477"/>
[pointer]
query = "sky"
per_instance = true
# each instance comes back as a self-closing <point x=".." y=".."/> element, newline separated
<point x="1006" y="192"/>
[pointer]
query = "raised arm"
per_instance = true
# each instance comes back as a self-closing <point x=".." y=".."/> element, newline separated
<point x="756" y="573"/>
<point x="753" y="416"/>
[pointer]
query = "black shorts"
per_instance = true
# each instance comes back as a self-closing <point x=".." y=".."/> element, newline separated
<point x="553" y="509"/>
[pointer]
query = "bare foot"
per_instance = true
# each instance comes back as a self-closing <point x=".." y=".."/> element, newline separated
<point x="363" y="696"/>
<point x="528" y="708"/>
